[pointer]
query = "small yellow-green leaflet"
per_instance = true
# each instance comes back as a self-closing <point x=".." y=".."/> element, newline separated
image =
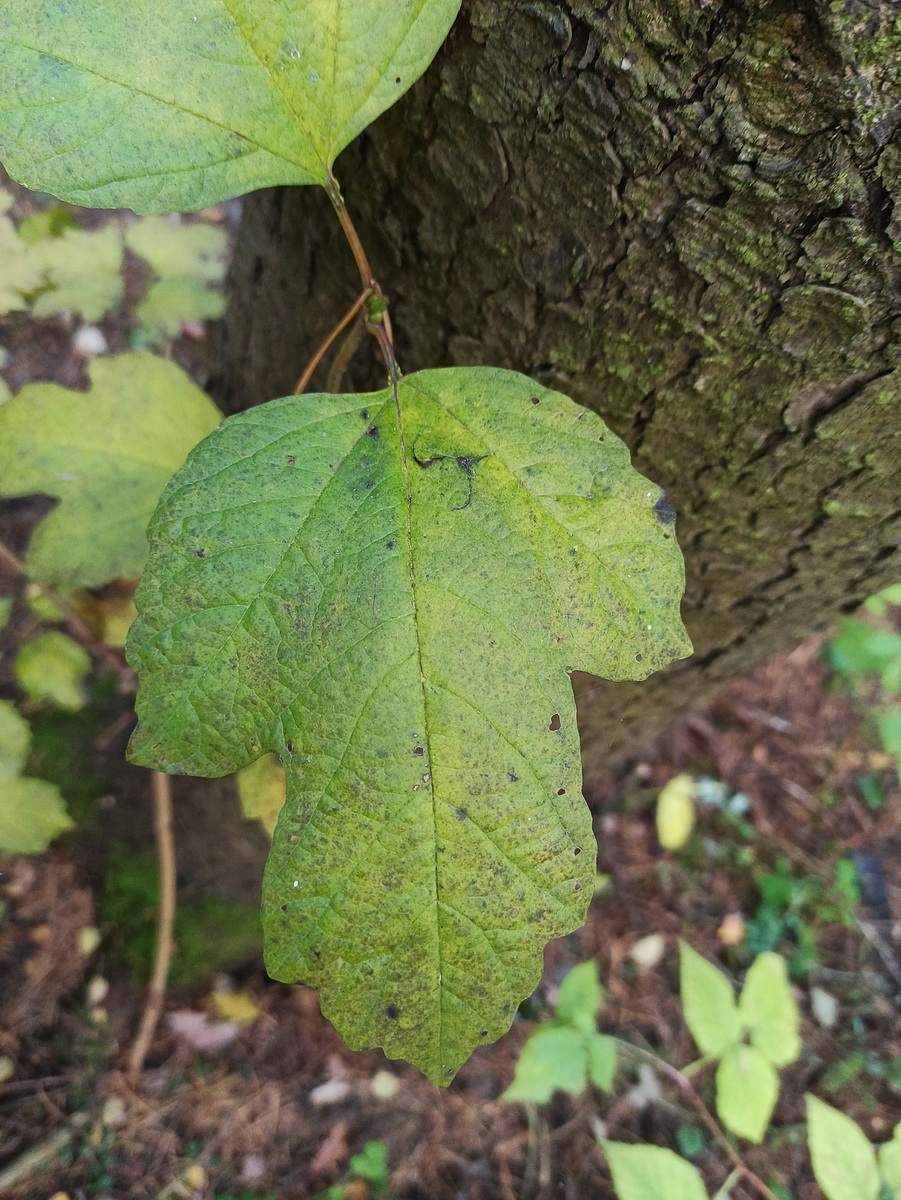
<point x="389" y="593"/>
<point x="158" y="105"/>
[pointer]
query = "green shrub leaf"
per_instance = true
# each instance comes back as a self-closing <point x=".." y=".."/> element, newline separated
<point x="709" y="1003"/>
<point x="768" y="1010"/>
<point x="580" y="998"/>
<point x="353" y="583"/>
<point x="601" y="1060"/>
<point x="107" y="455"/>
<point x="747" y="1088"/>
<point x="261" y="790"/>
<point x="553" y="1059"/>
<point x="157" y="105"/>
<point x="84" y="269"/>
<point x="22" y="273"/>
<point x="652" y="1173"/>
<point x="15" y="739"/>
<point x="890" y="1164"/>
<point x="53" y="667"/>
<point x="32" y="814"/>
<point x="844" y="1162"/>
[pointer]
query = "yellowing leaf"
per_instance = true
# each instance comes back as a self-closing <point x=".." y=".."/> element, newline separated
<point x="352" y="583"/>
<point x="84" y="270"/>
<point x="844" y="1162"/>
<point x="769" y="1012"/>
<point x="261" y="790"/>
<point x="194" y="249"/>
<point x="676" y="812"/>
<point x="157" y="105"/>
<point x="107" y="454"/>
<point x="32" y="814"/>
<point x="708" y="999"/>
<point x="235" y="1006"/>
<point x="53" y="667"/>
<point x="20" y="271"/>
<point x="652" y="1173"/>
<point x="747" y="1088"/>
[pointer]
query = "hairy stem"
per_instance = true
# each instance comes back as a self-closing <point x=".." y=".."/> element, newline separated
<point x="156" y="993"/>
<point x="628" y="1050"/>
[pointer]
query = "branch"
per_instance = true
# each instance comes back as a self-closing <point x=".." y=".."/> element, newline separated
<point x="156" y="993"/>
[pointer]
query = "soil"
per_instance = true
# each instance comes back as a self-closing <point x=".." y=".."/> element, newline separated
<point x="279" y="1110"/>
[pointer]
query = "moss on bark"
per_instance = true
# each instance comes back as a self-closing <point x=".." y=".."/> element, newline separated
<point x="684" y="213"/>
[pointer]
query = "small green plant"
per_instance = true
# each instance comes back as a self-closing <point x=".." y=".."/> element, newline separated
<point x="846" y="1166"/>
<point x="371" y="1165"/>
<point x="32" y="811"/>
<point x="747" y="1083"/>
<point x="567" y="1053"/>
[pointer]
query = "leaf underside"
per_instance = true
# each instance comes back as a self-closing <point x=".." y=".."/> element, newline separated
<point x="160" y="105"/>
<point x="106" y="455"/>
<point x="389" y="594"/>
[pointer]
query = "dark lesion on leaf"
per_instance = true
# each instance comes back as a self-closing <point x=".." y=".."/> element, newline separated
<point x="467" y="464"/>
<point x="664" y="511"/>
<point x="392" y="1011"/>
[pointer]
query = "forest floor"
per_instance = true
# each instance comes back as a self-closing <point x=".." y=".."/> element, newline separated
<point x="249" y="1094"/>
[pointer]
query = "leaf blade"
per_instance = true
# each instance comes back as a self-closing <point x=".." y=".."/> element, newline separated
<point x="708" y="1000"/>
<point x="844" y="1162"/>
<point x="158" y="107"/>
<point x="652" y="1173"/>
<point x="747" y="1088"/>
<point x="367" y="633"/>
<point x="768" y="1010"/>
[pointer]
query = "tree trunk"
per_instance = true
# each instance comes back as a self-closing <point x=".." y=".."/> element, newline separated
<point x="685" y="214"/>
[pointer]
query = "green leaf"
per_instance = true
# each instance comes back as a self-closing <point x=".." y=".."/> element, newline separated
<point x="53" y="667"/>
<point x="890" y="1164"/>
<point x="859" y="649"/>
<point x="157" y="105"/>
<point x="652" y="1173"/>
<point x="708" y="999"/>
<point x="170" y="302"/>
<point x="601" y="1060"/>
<point x="15" y="739"/>
<point x="580" y="997"/>
<point x="552" y="1060"/>
<point x="21" y="273"/>
<point x="747" y="1088"/>
<point x="84" y="270"/>
<point x="32" y="814"/>
<point x="768" y="1010"/>
<point x="261" y="790"/>
<point x="390" y="598"/>
<point x="844" y="1162"/>
<point x="107" y="454"/>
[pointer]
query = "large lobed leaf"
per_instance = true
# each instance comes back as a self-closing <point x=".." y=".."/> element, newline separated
<point x="390" y="595"/>
<point x="160" y="104"/>
<point x="107" y="455"/>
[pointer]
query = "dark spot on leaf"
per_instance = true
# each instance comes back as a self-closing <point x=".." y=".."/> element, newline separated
<point x="397" y="80"/>
<point x="372" y="431"/>
<point x="555" y="723"/>
<point x="293" y="839"/>
<point x="561" y="791"/>
<point x="392" y="1012"/>
<point x="601" y="438"/>
<point x="418" y="751"/>
<point x="460" y="814"/>
<point x="535" y="400"/>
<point x="638" y="658"/>
<point x="664" y="511"/>
<point x="667" y="536"/>
<point x="289" y="746"/>
<point x="291" y="460"/>
<point x="577" y="888"/>
<point x="369" y="484"/>
<point x="577" y="850"/>
<point x="513" y="777"/>
<point x="365" y="414"/>
<point x="484" y="1033"/>
<point x="450" y="1074"/>
<point x="200" y="553"/>
<point x="389" y="545"/>
<point x="284" y="908"/>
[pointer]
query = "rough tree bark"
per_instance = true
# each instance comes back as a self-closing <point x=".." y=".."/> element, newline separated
<point x="686" y="215"/>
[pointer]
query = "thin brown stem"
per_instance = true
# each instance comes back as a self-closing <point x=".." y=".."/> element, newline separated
<point x="165" y="916"/>
<point x="343" y="356"/>
<point x="687" y="1089"/>
<point x="342" y="324"/>
<point x="74" y="621"/>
